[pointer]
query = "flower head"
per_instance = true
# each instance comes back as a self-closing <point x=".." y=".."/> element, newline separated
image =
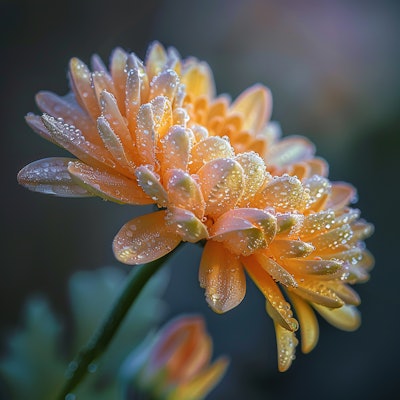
<point x="177" y="364"/>
<point x="153" y="132"/>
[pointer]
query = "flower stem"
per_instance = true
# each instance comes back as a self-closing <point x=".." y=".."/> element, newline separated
<point x="98" y="343"/>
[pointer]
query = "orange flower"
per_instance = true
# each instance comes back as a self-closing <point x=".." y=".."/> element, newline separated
<point x="148" y="133"/>
<point x="177" y="365"/>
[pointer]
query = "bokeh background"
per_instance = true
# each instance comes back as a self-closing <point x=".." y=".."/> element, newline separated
<point x="333" y="68"/>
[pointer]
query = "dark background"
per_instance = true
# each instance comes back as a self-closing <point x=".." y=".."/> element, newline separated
<point x="333" y="68"/>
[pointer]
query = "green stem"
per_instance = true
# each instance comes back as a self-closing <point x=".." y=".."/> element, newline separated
<point x="98" y="343"/>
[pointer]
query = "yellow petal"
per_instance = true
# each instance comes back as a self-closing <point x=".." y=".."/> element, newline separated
<point x="290" y="248"/>
<point x="50" y="176"/>
<point x="162" y="115"/>
<point x="198" y="79"/>
<point x="286" y="347"/>
<point x="209" y="149"/>
<point x="255" y="105"/>
<point x="309" y="329"/>
<point x="222" y="185"/>
<point x="345" y="292"/>
<point x="314" y="267"/>
<point x="109" y="186"/>
<point x="333" y="240"/>
<point x="144" y="239"/>
<point x="156" y="59"/>
<point x="319" y="189"/>
<point x="118" y="73"/>
<point x="317" y="223"/>
<point x="221" y="274"/>
<point x="346" y="318"/>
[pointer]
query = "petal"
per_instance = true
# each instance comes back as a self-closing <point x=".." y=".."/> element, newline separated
<point x="144" y="239"/>
<point x="222" y="275"/>
<point x="341" y="195"/>
<point x="222" y="185"/>
<point x="156" y="59"/>
<point x="198" y="79"/>
<point x="102" y="82"/>
<point x="289" y="224"/>
<point x="333" y="240"/>
<point x="81" y="83"/>
<point x="162" y="115"/>
<point x="209" y="149"/>
<point x="346" y="318"/>
<point x="36" y="123"/>
<point x="317" y="223"/>
<point x="109" y="186"/>
<point x="316" y="292"/>
<point x="278" y="308"/>
<point x="314" y="267"/>
<point x="255" y="105"/>
<point x="290" y="150"/>
<point x="176" y="146"/>
<point x="309" y="328"/>
<point x="255" y="173"/>
<point x="75" y="142"/>
<point x="286" y="347"/>
<point x="186" y="224"/>
<point x="132" y="97"/>
<point x="119" y="76"/>
<point x="151" y="185"/>
<point x="184" y="192"/>
<point x="284" y="193"/>
<point x="290" y="248"/>
<point x="50" y="176"/>
<point x="146" y="136"/>
<point x="164" y="84"/>
<point x="319" y="189"/>
<point x="345" y="292"/>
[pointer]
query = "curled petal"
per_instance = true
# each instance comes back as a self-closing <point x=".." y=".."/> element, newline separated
<point x="151" y="185"/>
<point x="50" y="176"/>
<point x="186" y="224"/>
<point x="309" y="329"/>
<point x="346" y="318"/>
<point x="255" y="105"/>
<point x="184" y="192"/>
<point x="289" y="224"/>
<point x="222" y="275"/>
<point x="222" y="185"/>
<point x="286" y="346"/>
<point x="209" y="149"/>
<point x="144" y="239"/>
<point x="108" y="185"/>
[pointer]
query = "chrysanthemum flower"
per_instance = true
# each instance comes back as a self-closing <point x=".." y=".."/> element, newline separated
<point x="146" y="133"/>
<point x="176" y="366"/>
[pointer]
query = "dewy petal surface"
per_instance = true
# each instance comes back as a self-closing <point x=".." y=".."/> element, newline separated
<point x="144" y="239"/>
<point x="222" y="276"/>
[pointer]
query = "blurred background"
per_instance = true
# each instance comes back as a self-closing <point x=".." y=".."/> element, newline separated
<point x="333" y="69"/>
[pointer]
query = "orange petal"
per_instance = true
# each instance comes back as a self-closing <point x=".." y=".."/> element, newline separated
<point x="317" y="223"/>
<point x="255" y="105"/>
<point x="146" y="136"/>
<point x="144" y="239"/>
<point x="50" y="176"/>
<point x="290" y="248"/>
<point x="81" y="83"/>
<point x="345" y="292"/>
<point x="109" y="186"/>
<point x="333" y="240"/>
<point x="101" y="82"/>
<point x="286" y="347"/>
<point x="346" y="318"/>
<point x="341" y="195"/>
<point x="222" y="185"/>
<point x="221" y="274"/>
<point x="36" y="123"/>
<point x="278" y="308"/>
<point x="119" y="76"/>
<point x="162" y="115"/>
<point x="132" y="97"/>
<point x="184" y="192"/>
<point x="319" y="190"/>
<point x="316" y="292"/>
<point x="314" y="267"/>
<point x="309" y="328"/>
<point x="209" y="149"/>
